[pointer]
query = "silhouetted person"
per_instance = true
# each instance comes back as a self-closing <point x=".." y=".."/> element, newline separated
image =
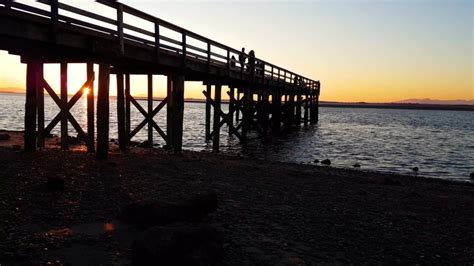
<point x="242" y="59"/>
<point x="233" y="62"/>
<point x="251" y="61"/>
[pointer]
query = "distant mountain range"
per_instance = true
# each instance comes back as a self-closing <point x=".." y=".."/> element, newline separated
<point x="443" y="102"/>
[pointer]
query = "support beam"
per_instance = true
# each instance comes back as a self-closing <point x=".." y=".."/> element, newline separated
<point x="64" y="100"/>
<point x="217" y="120"/>
<point x="175" y="112"/>
<point x="150" y="110"/>
<point x="208" y="113"/>
<point x="90" y="110"/>
<point x="121" y="123"/>
<point x="33" y="71"/>
<point x="103" y="112"/>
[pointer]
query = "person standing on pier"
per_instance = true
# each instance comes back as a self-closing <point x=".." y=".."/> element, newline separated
<point x="242" y="59"/>
<point x="233" y="62"/>
<point x="251" y="67"/>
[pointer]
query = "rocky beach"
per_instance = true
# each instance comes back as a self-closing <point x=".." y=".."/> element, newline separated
<point x="268" y="213"/>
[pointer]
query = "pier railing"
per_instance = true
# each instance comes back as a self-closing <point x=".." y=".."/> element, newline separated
<point x="166" y="37"/>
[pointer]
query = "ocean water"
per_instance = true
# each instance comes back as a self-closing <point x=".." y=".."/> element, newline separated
<point x="440" y="143"/>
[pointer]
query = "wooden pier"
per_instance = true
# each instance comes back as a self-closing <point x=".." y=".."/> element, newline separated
<point x="263" y="97"/>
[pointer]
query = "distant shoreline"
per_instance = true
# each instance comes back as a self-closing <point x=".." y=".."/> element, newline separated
<point x="414" y="106"/>
<point x="442" y="107"/>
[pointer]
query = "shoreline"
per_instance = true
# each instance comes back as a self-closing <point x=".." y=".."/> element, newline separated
<point x="53" y="143"/>
<point x="268" y="212"/>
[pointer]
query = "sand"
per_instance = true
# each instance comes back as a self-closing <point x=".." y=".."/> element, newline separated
<point x="269" y="213"/>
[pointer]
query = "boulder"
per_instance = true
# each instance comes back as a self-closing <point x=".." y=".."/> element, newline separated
<point x="178" y="245"/>
<point x="193" y="209"/>
<point x="326" y="162"/>
<point x="4" y="136"/>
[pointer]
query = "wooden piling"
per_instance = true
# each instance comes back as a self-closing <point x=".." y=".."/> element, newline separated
<point x="175" y="112"/>
<point x="64" y="100"/>
<point x="40" y="107"/>
<point x="90" y="111"/>
<point x="264" y="110"/>
<point x="121" y="123"/>
<point x="217" y="120"/>
<point x="127" y="108"/>
<point x="103" y="112"/>
<point x="247" y="112"/>
<point x="298" y="109"/>
<point x="306" y="106"/>
<point x="276" y="110"/>
<point x="32" y="77"/>
<point x="232" y="107"/>
<point x="237" y="111"/>
<point x="290" y="110"/>
<point x="150" y="110"/>
<point x="208" y="113"/>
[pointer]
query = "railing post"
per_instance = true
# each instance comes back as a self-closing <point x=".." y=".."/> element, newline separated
<point x="120" y="28"/>
<point x="183" y="43"/>
<point x="228" y="59"/>
<point x="54" y="18"/>
<point x="208" y="56"/>
<point x="157" y="38"/>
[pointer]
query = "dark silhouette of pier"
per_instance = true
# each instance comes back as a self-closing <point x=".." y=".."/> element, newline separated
<point x="263" y="96"/>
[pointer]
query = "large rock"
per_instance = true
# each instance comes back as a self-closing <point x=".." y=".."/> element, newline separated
<point x="326" y="162"/>
<point x="193" y="209"/>
<point x="4" y="136"/>
<point x="178" y="245"/>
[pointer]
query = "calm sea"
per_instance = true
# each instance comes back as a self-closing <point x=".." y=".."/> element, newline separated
<point x="440" y="143"/>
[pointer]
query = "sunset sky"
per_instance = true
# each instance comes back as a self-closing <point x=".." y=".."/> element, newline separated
<point x="367" y="50"/>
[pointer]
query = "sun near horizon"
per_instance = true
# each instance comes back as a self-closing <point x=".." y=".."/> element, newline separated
<point x="361" y="51"/>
